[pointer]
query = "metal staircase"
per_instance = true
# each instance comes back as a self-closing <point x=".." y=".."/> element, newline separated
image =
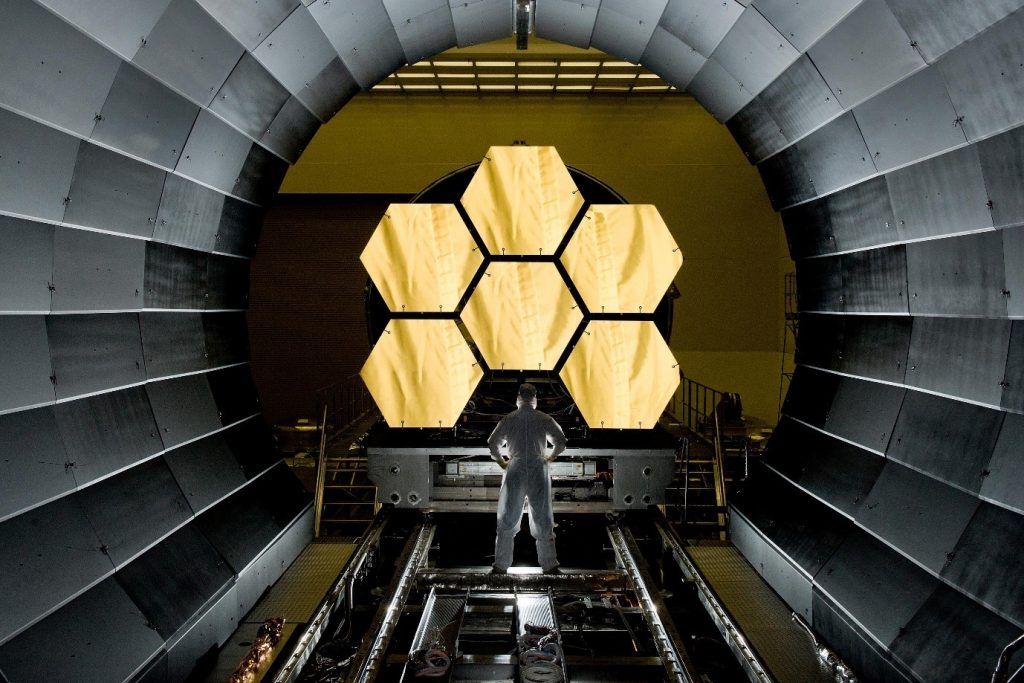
<point x="346" y="499"/>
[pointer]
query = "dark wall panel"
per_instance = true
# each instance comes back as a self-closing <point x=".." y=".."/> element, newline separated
<point x="979" y="563"/>
<point x="234" y="392"/>
<point x="26" y="265"/>
<point x="226" y="339"/>
<point x="811" y="399"/>
<point x="958" y="276"/>
<point x="921" y="516"/>
<point x="102" y="631"/>
<point x="97" y="272"/>
<point x="875" y="281"/>
<point x="1005" y="471"/>
<point x="184" y="408"/>
<point x="876" y="347"/>
<point x="937" y="647"/>
<point x="164" y="593"/>
<point x="959" y="357"/>
<point x="865" y="412"/>
<point x="34" y="467"/>
<point x="205" y="470"/>
<point x="173" y="343"/>
<point x="869" y="660"/>
<point x="947" y="439"/>
<point x="832" y="470"/>
<point x="25" y="369"/>
<point x="113" y="192"/>
<point x="134" y="510"/>
<point x="95" y="352"/>
<point x="175" y="278"/>
<point x="50" y="554"/>
<point x="104" y="434"/>
<point x="877" y="586"/>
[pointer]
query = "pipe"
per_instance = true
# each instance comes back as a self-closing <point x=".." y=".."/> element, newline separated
<point x="666" y="638"/>
<point x="375" y="643"/>
<point x="341" y="588"/>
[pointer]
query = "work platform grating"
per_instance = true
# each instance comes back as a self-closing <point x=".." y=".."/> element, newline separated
<point x="294" y="597"/>
<point x="783" y="646"/>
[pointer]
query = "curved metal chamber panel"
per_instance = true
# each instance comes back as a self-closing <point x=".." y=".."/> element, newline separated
<point x="566" y="21"/>
<point x="887" y="130"/>
<point x="249" y="21"/>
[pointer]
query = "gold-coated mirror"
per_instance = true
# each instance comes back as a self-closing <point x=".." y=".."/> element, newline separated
<point x="621" y="374"/>
<point x="622" y="258"/>
<point x="421" y="373"/>
<point x="522" y="200"/>
<point x="521" y="315"/>
<point x="421" y="258"/>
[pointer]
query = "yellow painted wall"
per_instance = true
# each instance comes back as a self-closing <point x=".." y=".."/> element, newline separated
<point x="665" y="151"/>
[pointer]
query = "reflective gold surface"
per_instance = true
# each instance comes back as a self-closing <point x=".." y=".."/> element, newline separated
<point x="621" y="374"/>
<point x="421" y="373"/>
<point x="421" y="257"/>
<point x="622" y="258"/>
<point x="521" y="316"/>
<point x="522" y="200"/>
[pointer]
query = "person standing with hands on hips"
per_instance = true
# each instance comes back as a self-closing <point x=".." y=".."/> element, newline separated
<point x="526" y="433"/>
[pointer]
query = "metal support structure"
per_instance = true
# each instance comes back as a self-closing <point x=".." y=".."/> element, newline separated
<point x="745" y="654"/>
<point x="341" y="590"/>
<point x="792" y="327"/>
<point x="663" y="631"/>
<point x="321" y="475"/>
<point x="695" y="406"/>
<point x="371" y="655"/>
<point x="483" y="580"/>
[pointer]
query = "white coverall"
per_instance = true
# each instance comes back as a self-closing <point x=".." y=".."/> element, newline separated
<point x="526" y="432"/>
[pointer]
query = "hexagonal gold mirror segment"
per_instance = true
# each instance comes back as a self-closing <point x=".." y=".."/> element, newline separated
<point x="622" y="258"/>
<point x="421" y="257"/>
<point x="621" y="374"/>
<point x="421" y="373"/>
<point x="522" y="200"/>
<point x="521" y="315"/>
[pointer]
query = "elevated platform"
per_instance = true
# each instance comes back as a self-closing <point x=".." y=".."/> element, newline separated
<point x="294" y="597"/>
<point x="784" y="648"/>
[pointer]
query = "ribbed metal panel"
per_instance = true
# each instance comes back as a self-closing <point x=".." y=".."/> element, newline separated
<point x="624" y="27"/>
<point x="249" y="21"/>
<point x="945" y="439"/>
<point x="51" y="71"/>
<point x="189" y="51"/>
<point x="865" y="53"/>
<point x="363" y="36"/>
<point x="25" y="366"/>
<point x="566" y="21"/>
<point x="144" y="118"/>
<point x="296" y="51"/>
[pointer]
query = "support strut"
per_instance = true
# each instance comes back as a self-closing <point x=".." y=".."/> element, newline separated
<point x="666" y="638"/>
<point x="371" y="655"/>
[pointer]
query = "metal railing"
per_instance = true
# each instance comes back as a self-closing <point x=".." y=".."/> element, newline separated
<point x="343" y="403"/>
<point x="1002" y="673"/>
<point x="695" y="406"/>
<point x="339" y="406"/>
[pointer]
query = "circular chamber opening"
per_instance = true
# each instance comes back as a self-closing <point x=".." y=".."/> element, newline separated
<point x="647" y="471"/>
<point x="395" y="497"/>
<point x="628" y="499"/>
